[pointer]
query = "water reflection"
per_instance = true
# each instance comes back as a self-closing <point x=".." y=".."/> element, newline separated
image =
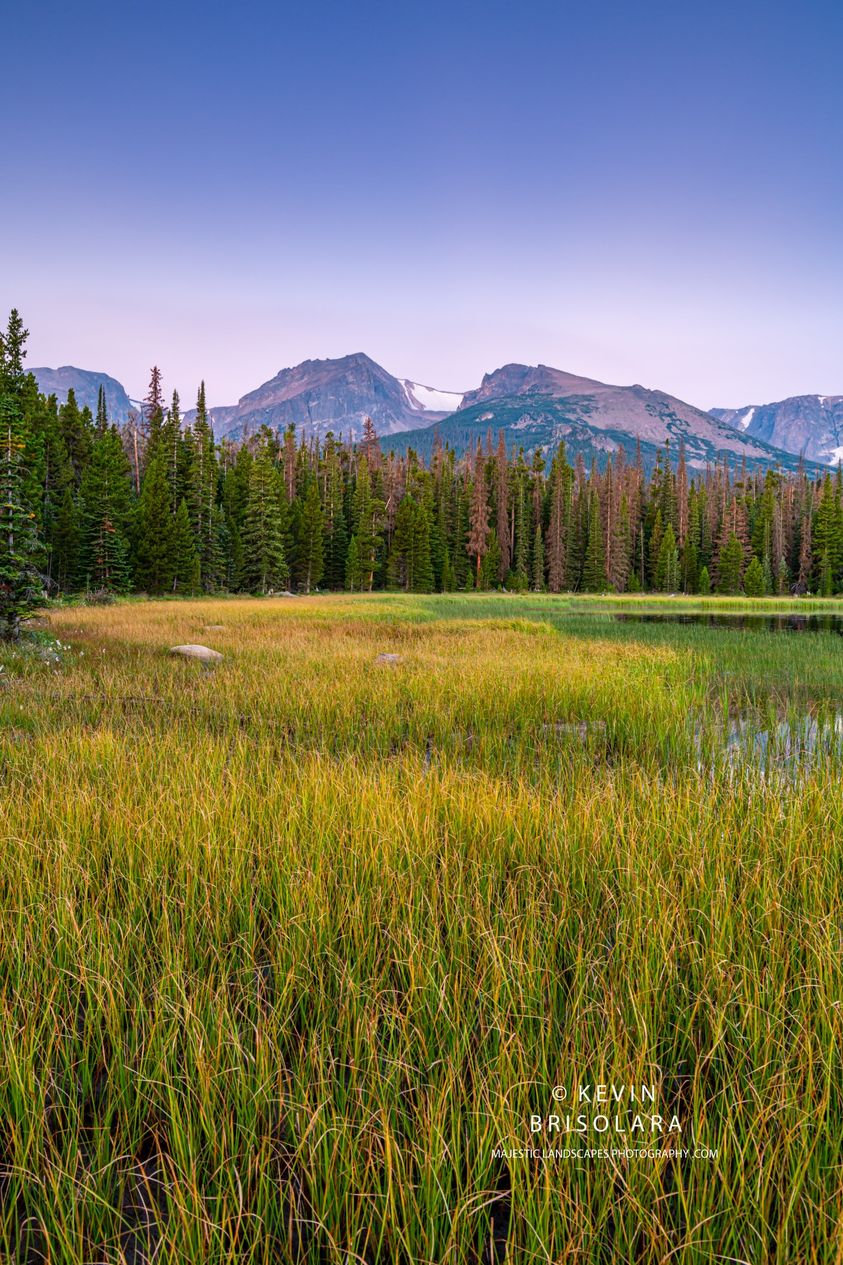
<point x="784" y="746"/>
<point x="743" y="622"/>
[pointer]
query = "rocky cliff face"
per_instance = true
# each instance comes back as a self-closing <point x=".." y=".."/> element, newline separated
<point x="537" y="406"/>
<point x="321" y="395"/>
<point x="85" y="383"/>
<point x="809" y="425"/>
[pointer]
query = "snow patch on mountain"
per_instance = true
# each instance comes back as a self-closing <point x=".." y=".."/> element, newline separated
<point x="429" y="399"/>
<point x="746" y="419"/>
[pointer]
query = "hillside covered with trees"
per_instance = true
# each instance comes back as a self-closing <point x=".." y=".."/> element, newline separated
<point x="158" y="507"/>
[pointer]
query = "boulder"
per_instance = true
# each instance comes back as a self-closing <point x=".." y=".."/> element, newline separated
<point x="203" y="653"/>
<point x="388" y="658"/>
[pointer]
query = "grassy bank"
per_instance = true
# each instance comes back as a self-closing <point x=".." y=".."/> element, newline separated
<point x="291" y="948"/>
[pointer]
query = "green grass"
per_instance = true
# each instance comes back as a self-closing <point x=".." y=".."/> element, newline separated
<point x="290" y="948"/>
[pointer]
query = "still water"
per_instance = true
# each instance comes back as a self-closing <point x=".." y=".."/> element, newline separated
<point x="743" y="622"/>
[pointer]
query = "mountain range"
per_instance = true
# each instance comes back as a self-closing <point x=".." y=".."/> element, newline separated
<point x="321" y="395"/>
<point x="85" y="384"/>
<point x="535" y="406"/>
<point x="804" y="424"/>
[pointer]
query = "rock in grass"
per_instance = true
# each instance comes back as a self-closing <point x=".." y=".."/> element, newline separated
<point x="388" y="658"/>
<point x="214" y="627"/>
<point x="203" y="653"/>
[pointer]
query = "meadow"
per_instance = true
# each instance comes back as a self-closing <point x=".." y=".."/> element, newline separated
<point x="292" y="950"/>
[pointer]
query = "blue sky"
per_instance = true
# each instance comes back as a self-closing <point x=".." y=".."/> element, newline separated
<point x="640" y="192"/>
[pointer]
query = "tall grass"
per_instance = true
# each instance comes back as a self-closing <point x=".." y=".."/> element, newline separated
<point x="291" y="948"/>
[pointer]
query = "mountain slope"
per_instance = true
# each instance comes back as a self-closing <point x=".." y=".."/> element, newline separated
<point x="86" y="384"/>
<point x="537" y="406"/>
<point x="809" y="424"/>
<point x="321" y="395"/>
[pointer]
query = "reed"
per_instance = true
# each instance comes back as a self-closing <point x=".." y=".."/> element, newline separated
<point x="290" y="949"/>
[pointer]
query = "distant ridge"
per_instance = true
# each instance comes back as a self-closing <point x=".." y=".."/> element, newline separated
<point x="321" y="395"/>
<point x="803" y="424"/>
<point x="536" y="407"/>
<point x="85" y="383"/>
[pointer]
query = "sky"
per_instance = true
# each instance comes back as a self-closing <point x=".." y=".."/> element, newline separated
<point x="635" y="191"/>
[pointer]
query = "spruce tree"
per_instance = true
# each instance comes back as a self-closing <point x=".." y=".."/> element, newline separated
<point x="106" y="513"/>
<point x="478" y="529"/>
<point x="185" y="557"/>
<point x="155" y="560"/>
<point x="667" y="566"/>
<point x="538" y="561"/>
<point x="264" y="562"/>
<point x="335" y="523"/>
<point x="729" y="566"/>
<point x="20" y="585"/>
<point x="368" y="511"/>
<point x="65" y="542"/>
<point x="520" y="577"/>
<point x="77" y="431"/>
<point x="203" y="477"/>
<point x="753" y="580"/>
<point x="310" y="540"/>
<point x="400" y="564"/>
<point x="560" y="521"/>
<point x="594" y="566"/>
<point x="491" y="566"/>
<point x="353" y="573"/>
<point x="102" y="413"/>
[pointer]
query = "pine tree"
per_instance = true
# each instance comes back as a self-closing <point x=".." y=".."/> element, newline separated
<point x="155" y="562"/>
<point x="538" y="561"/>
<point x="753" y="580"/>
<point x="520" y="576"/>
<point x="560" y="492"/>
<point x="202" y="498"/>
<point x="171" y="442"/>
<point x="502" y="508"/>
<point x="152" y="409"/>
<point x="667" y="566"/>
<point x="20" y="586"/>
<point x="704" y="586"/>
<point x="65" y="541"/>
<point x="106" y="512"/>
<point x="336" y="526"/>
<point x="730" y="566"/>
<point x="478" y="528"/>
<point x="594" y="565"/>
<point x="186" y="571"/>
<point x="353" y="572"/>
<point x="368" y="511"/>
<point x="491" y="565"/>
<point x="782" y="579"/>
<point x="410" y="567"/>
<point x="264" y="562"/>
<point x="77" y="432"/>
<point x="827" y="538"/>
<point x="310" y="541"/>
<point x="102" y="413"/>
<point x="654" y="552"/>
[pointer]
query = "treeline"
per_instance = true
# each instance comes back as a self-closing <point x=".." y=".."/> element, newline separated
<point x="160" y="507"/>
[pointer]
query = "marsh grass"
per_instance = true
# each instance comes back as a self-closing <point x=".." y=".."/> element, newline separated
<point x="291" y="947"/>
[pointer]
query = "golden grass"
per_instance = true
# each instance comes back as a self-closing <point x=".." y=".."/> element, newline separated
<point x="292" y="947"/>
